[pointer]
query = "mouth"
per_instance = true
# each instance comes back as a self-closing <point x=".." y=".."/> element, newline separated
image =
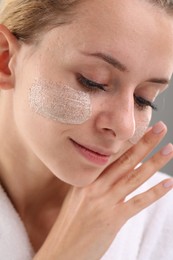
<point x="95" y="156"/>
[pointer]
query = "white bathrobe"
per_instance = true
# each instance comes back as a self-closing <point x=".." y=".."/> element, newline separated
<point x="14" y="242"/>
<point x="147" y="236"/>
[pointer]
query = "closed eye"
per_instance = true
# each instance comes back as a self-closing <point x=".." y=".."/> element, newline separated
<point x="90" y="85"/>
<point x="144" y="103"/>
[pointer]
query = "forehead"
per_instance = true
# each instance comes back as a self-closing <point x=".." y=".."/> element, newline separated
<point x="129" y="24"/>
<point x="112" y="14"/>
<point x="134" y="31"/>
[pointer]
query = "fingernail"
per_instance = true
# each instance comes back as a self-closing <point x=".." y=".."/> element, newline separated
<point x="167" y="149"/>
<point x="168" y="184"/>
<point x="158" y="128"/>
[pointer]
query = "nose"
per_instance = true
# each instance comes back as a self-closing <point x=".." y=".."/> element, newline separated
<point x="117" y="116"/>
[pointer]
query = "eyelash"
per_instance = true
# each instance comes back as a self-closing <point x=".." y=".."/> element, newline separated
<point x="94" y="86"/>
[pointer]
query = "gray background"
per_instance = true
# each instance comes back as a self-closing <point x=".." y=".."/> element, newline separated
<point x="165" y="113"/>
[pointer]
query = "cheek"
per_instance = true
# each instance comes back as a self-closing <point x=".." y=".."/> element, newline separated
<point x="60" y="103"/>
<point x="141" y="127"/>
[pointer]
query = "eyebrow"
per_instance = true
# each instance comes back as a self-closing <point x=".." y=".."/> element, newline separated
<point x="118" y="65"/>
<point x="160" y="81"/>
<point x="109" y="59"/>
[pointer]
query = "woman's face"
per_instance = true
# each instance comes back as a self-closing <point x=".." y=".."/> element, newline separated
<point x="91" y="84"/>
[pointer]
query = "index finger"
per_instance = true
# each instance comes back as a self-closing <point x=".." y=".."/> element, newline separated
<point x="131" y="158"/>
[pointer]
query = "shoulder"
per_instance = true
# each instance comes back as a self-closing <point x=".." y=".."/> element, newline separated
<point x="158" y="177"/>
<point x="154" y="180"/>
<point x="149" y="234"/>
<point x="163" y="208"/>
<point x="14" y="242"/>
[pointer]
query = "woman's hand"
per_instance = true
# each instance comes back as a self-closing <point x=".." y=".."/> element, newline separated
<point x="92" y="216"/>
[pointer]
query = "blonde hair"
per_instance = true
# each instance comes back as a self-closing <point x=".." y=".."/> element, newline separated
<point x="166" y="5"/>
<point x="28" y="18"/>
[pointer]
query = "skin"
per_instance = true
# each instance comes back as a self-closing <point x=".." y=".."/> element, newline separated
<point x="54" y="182"/>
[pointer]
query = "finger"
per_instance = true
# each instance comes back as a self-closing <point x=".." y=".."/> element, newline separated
<point x="137" y="153"/>
<point x="145" y="199"/>
<point x="129" y="160"/>
<point x="137" y="177"/>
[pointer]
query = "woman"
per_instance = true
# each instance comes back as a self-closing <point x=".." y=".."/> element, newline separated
<point x="78" y="82"/>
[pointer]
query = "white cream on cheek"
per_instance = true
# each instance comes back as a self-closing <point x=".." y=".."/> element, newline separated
<point x="60" y="103"/>
<point x="141" y="127"/>
<point x="66" y="105"/>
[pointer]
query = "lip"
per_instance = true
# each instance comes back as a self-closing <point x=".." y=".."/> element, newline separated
<point x="94" y="155"/>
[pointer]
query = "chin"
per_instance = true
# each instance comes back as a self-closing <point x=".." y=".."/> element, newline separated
<point x="80" y="179"/>
<point x="79" y="183"/>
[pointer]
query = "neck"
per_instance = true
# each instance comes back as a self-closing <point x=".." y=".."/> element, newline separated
<point x="28" y="182"/>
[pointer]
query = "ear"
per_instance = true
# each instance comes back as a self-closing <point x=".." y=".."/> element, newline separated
<point x="9" y="46"/>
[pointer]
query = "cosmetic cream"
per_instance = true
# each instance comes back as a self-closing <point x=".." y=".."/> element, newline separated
<point x="141" y="128"/>
<point x="60" y="103"/>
